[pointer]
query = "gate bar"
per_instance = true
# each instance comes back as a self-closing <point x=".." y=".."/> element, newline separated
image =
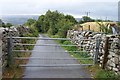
<point x="44" y="52"/>
<point x="46" y="45"/>
<point x="47" y="38"/>
<point x="26" y="58"/>
<point x="38" y="38"/>
<point x="55" y="65"/>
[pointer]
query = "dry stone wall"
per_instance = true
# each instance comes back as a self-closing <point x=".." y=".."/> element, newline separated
<point x="113" y="57"/>
<point x="0" y="54"/>
<point x="4" y="33"/>
<point x="89" y="44"/>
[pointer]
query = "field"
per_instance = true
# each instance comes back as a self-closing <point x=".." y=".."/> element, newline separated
<point x="94" y="26"/>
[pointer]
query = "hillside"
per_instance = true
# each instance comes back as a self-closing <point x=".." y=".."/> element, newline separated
<point x="93" y="26"/>
<point x="18" y="19"/>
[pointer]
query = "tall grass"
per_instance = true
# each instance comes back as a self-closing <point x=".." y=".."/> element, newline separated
<point x="104" y="28"/>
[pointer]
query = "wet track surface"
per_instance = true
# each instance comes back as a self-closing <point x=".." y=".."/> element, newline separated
<point x="50" y="52"/>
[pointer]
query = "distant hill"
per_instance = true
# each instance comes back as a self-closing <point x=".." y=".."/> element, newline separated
<point x="78" y="19"/>
<point x="18" y="19"/>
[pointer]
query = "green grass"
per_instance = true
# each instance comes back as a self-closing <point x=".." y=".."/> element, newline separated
<point x="77" y="54"/>
<point x="101" y="74"/>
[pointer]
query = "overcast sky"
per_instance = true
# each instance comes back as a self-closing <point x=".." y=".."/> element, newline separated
<point x="100" y="9"/>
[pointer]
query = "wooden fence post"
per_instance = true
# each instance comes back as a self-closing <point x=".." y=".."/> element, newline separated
<point x="82" y="28"/>
<point x="9" y="48"/>
<point x="89" y="27"/>
<point x="97" y="51"/>
<point x="105" y="58"/>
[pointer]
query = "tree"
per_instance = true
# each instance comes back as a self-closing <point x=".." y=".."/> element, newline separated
<point x="53" y="18"/>
<point x="86" y="19"/>
<point x="42" y="24"/>
<point x="54" y="22"/>
<point x="8" y="25"/>
<point x="3" y="25"/>
<point x="64" y="25"/>
<point x="30" y="22"/>
<point x="71" y="18"/>
<point x="99" y="20"/>
<point x="39" y="23"/>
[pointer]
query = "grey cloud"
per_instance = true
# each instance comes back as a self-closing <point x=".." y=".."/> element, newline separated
<point x="97" y="9"/>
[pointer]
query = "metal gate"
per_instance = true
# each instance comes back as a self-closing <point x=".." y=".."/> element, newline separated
<point x="53" y="61"/>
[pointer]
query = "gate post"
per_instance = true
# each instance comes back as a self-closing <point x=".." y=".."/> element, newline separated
<point x="9" y="50"/>
<point x="96" y="51"/>
<point x="106" y="49"/>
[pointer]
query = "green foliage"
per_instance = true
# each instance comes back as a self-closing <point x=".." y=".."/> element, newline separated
<point x="63" y="25"/>
<point x="86" y="19"/>
<point x="52" y="29"/>
<point x="99" y="20"/>
<point x="54" y="23"/>
<point x="71" y="18"/>
<point x="3" y="25"/>
<point x="42" y="24"/>
<point x="29" y="22"/>
<point x="89" y="19"/>
<point x="8" y="25"/>
<point x="32" y="32"/>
